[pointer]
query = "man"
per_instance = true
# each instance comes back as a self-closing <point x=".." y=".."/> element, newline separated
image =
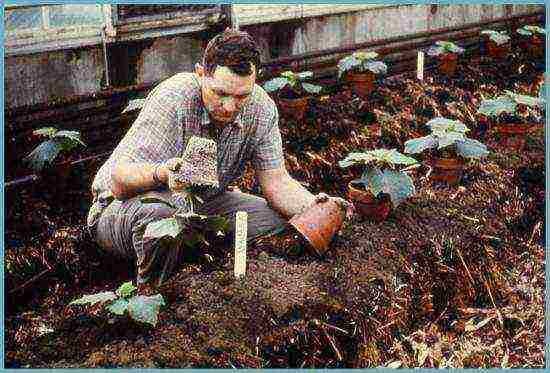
<point x="219" y="101"/>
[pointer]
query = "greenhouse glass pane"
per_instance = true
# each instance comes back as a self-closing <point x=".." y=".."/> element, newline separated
<point x="75" y="15"/>
<point x="21" y="19"/>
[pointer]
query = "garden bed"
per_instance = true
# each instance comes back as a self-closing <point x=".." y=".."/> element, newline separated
<point x="454" y="277"/>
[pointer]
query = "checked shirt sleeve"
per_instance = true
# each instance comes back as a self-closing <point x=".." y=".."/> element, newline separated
<point x="268" y="152"/>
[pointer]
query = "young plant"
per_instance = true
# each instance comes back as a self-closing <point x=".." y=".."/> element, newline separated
<point x="380" y="173"/>
<point x="361" y="62"/>
<point x="292" y="85"/>
<point x="141" y="308"/>
<point x="505" y="107"/>
<point x="531" y="30"/>
<point x="448" y="138"/>
<point x="444" y="47"/>
<point x="56" y="142"/>
<point x="499" y="37"/>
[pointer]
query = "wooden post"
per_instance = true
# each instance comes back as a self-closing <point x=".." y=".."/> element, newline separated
<point x="241" y="228"/>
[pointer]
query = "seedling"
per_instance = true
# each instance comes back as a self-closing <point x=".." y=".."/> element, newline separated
<point x="447" y="137"/>
<point x="499" y="37"/>
<point x="56" y="142"/>
<point x="141" y="308"/>
<point x="531" y="30"/>
<point x="361" y="62"/>
<point x="380" y="174"/>
<point x="292" y="85"/>
<point x="444" y="47"/>
<point x="505" y="107"/>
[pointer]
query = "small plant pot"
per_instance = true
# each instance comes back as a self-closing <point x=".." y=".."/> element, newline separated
<point x="447" y="63"/>
<point x="319" y="223"/>
<point x="376" y="209"/>
<point x="293" y="108"/>
<point x="448" y="170"/>
<point x="362" y="84"/>
<point x="512" y="135"/>
<point x="497" y="52"/>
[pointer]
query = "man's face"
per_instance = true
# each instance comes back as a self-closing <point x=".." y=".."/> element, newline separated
<point x="224" y="93"/>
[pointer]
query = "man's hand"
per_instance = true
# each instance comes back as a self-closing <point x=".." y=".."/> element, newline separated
<point x="169" y="170"/>
<point x="348" y="206"/>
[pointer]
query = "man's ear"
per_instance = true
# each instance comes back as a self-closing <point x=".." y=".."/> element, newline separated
<point x="199" y="69"/>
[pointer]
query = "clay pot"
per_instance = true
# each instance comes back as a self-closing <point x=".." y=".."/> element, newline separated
<point x="447" y="63"/>
<point x="513" y="135"/>
<point x="362" y="84"/>
<point x="448" y="170"/>
<point x="376" y="209"/>
<point x="293" y="108"/>
<point x="498" y="52"/>
<point x="319" y="223"/>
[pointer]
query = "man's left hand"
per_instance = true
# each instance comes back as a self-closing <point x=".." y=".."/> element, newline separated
<point x="348" y="206"/>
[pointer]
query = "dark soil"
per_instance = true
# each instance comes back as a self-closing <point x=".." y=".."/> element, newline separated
<point x="453" y="278"/>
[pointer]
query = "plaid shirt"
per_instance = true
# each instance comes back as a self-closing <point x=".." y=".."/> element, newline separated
<point x="173" y="112"/>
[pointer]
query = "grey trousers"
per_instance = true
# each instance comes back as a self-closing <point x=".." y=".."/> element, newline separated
<point x="120" y="228"/>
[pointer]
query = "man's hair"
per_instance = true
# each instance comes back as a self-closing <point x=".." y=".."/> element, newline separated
<point x="233" y="49"/>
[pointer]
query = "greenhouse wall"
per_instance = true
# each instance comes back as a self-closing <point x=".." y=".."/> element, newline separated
<point x="38" y="77"/>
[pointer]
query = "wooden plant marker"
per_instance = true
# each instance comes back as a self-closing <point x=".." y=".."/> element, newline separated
<point x="420" y="66"/>
<point x="241" y="227"/>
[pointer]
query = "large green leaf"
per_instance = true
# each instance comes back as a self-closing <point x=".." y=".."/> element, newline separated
<point x="94" y="298"/>
<point x="502" y="104"/>
<point x="312" y="88"/>
<point x="45" y="131"/>
<point x="118" y="307"/>
<point x="418" y="145"/>
<point x="449" y="46"/>
<point x="524" y="32"/>
<point x="396" y="157"/>
<point x="355" y="158"/>
<point x="167" y="227"/>
<point x="449" y="138"/>
<point x="126" y="289"/>
<point x="377" y="67"/>
<point x="470" y="148"/>
<point x="398" y="185"/>
<point x="372" y="178"/>
<point x="44" y="153"/>
<point x="275" y="84"/>
<point x="439" y="125"/>
<point x="365" y="56"/>
<point x="145" y="309"/>
<point x="523" y="99"/>
<point x="535" y="29"/>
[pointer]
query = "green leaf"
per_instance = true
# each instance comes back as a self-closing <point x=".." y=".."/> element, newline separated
<point x="45" y="131"/>
<point x="524" y="32"/>
<point x="346" y="64"/>
<point x="377" y="67"/>
<point x="135" y="104"/>
<point x="126" y="289"/>
<point x="534" y="29"/>
<point x="449" y="47"/>
<point x="167" y="227"/>
<point x="312" y="88"/>
<point x="365" y="56"/>
<point x="498" y="37"/>
<point x="420" y="144"/>
<point x="44" y="153"/>
<point x="398" y="185"/>
<point x="503" y="104"/>
<point x="523" y="99"/>
<point x="439" y="125"/>
<point x="304" y="75"/>
<point x="94" y="298"/>
<point x="118" y="307"/>
<point x="275" y="84"/>
<point x="73" y="136"/>
<point x="355" y="158"/>
<point x="396" y="157"/>
<point x="470" y="148"/>
<point x="145" y="309"/>
<point x="449" y="138"/>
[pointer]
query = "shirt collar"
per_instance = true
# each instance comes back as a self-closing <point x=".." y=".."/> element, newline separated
<point x="205" y="120"/>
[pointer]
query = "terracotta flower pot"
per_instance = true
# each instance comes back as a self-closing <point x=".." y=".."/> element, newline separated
<point x="294" y="108"/>
<point x="362" y="84"/>
<point x="448" y="170"/>
<point x="447" y="63"/>
<point x="376" y="209"/>
<point x="496" y="51"/>
<point x="513" y="135"/>
<point x="319" y="224"/>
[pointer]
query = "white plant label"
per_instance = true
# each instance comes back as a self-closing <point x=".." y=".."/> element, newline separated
<point x="241" y="227"/>
<point x="420" y="66"/>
